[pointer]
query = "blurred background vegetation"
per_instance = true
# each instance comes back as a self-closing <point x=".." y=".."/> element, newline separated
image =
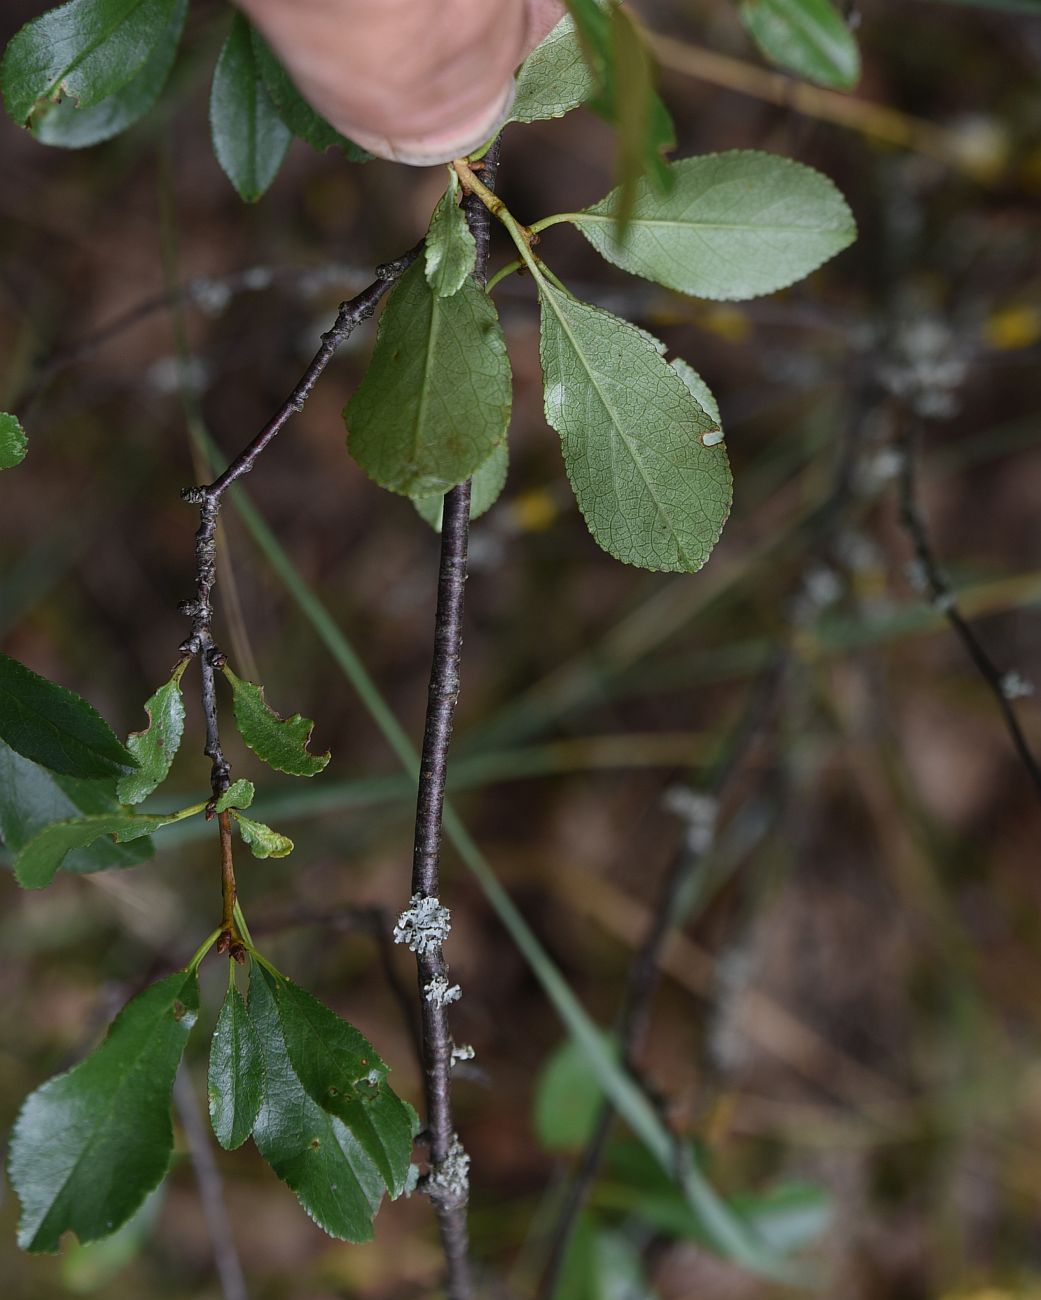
<point x="850" y="1018"/>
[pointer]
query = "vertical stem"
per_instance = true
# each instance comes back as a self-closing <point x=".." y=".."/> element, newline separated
<point x="447" y="1183"/>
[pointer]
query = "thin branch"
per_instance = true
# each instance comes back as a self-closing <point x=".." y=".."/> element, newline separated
<point x="424" y="925"/>
<point x="912" y="517"/>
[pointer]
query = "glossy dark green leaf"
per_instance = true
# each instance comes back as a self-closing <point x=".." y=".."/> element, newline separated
<point x="435" y="402"/>
<point x="340" y="1071"/>
<point x="279" y="742"/>
<point x="36" y="864"/>
<point x="240" y="794"/>
<point x="314" y="1153"/>
<point x="651" y="492"/>
<point x="489" y="479"/>
<point x="295" y="111"/>
<point x="69" y="126"/>
<point x="237" y="1073"/>
<point x="85" y="50"/>
<point x="155" y="748"/>
<point x="450" y="252"/>
<point x="262" y="840"/>
<point x="554" y="78"/>
<point x="56" y="727"/>
<point x="89" y="1145"/>
<point x="810" y="37"/>
<point x="249" y="137"/>
<point x="13" y="442"/>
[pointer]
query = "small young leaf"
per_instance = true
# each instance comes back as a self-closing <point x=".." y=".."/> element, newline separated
<point x="652" y="494"/>
<point x="156" y="747"/>
<point x="86" y="50"/>
<point x="554" y="78"/>
<point x="89" y="1145"/>
<point x="240" y="794"/>
<point x="249" y="138"/>
<point x="279" y="742"/>
<point x="451" y="250"/>
<point x="809" y="37"/>
<point x="32" y="798"/>
<point x="734" y="225"/>
<point x="36" y="864"/>
<point x="69" y="126"/>
<point x="435" y="402"/>
<point x="237" y="1076"/>
<point x="341" y="1072"/>
<point x="295" y="111"/>
<point x="56" y="727"/>
<point x="310" y="1150"/>
<point x="489" y="479"/>
<point x="262" y="840"/>
<point x="13" y="442"/>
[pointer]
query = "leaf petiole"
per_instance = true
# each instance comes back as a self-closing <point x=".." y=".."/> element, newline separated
<point x="204" y="948"/>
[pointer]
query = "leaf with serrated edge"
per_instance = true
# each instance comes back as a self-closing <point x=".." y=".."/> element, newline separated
<point x="435" y="402"/>
<point x="236" y="1075"/>
<point x="554" y="78"/>
<point x="698" y="389"/>
<point x="312" y="1152"/>
<point x="262" y="840"/>
<point x="279" y="742"/>
<point x="68" y="126"/>
<point x="13" y="442"/>
<point x="450" y="252"/>
<point x="86" y="49"/>
<point x="734" y="225"/>
<point x="239" y="794"/>
<point x="36" y="864"/>
<point x="156" y="747"/>
<point x="809" y="37"/>
<point x="249" y="137"/>
<point x="56" y="727"/>
<point x="89" y="1145"/>
<point x="652" y="494"/>
<point x="341" y="1072"/>
<point x="489" y="480"/>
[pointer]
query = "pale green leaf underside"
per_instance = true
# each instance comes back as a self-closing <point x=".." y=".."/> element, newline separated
<point x="13" y="443"/>
<point x="156" y="747"/>
<point x="733" y="225"/>
<point x="71" y="127"/>
<point x="279" y="742"/>
<point x="809" y="37"/>
<point x="435" y="402"/>
<point x="698" y="389"/>
<point x="86" y="49"/>
<point x="89" y="1145"/>
<point x="451" y="251"/>
<point x="236" y="1078"/>
<point x="554" y="78"/>
<point x="652" y="494"/>
<point x="489" y="479"/>
<point x="262" y="840"/>
<point x="249" y="137"/>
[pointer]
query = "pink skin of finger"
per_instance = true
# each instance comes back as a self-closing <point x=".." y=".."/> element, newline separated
<point x="417" y="81"/>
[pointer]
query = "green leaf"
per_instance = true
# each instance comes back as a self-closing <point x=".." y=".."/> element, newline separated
<point x="309" y="1149"/>
<point x="36" y="864"/>
<point x="340" y="1071"/>
<point x="702" y="394"/>
<point x="56" y="727"/>
<point x="237" y="1082"/>
<point x="651" y="492"/>
<point x="69" y="126"/>
<point x="554" y="78"/>
<point x="489" y="479"/>
<point x="809" y="37"/>
<point x="279" y="742"/>
<point x="601" y="1265"/>
<point x="451" y="251"/>
<point x="568" y="1097"/>
<point x="295" y="111"/>
<point x="734" y="225"/>
<point x="85" y="50"/>
<point x="240" y="794"/>
<point x="262" y="840"/>
<point x="13" y="442"/>
<point x="89" y="1145"/>
<point x="249" y="138"/>
<point x="155" y="748"/>
<point x="86" y="1269"/>
<point x="32" y="798"/>
<point x="435" y="402"/>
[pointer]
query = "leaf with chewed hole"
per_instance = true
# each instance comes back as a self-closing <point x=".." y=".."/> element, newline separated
<point x="279" y="742"/>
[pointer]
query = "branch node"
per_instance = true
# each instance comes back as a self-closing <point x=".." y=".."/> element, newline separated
<point x="449" y="1183"/>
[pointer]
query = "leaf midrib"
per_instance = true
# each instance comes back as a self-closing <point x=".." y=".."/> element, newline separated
<point x="85" y="54"/>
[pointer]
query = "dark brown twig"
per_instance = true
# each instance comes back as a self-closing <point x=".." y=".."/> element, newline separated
<point x="938" y="589"/>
